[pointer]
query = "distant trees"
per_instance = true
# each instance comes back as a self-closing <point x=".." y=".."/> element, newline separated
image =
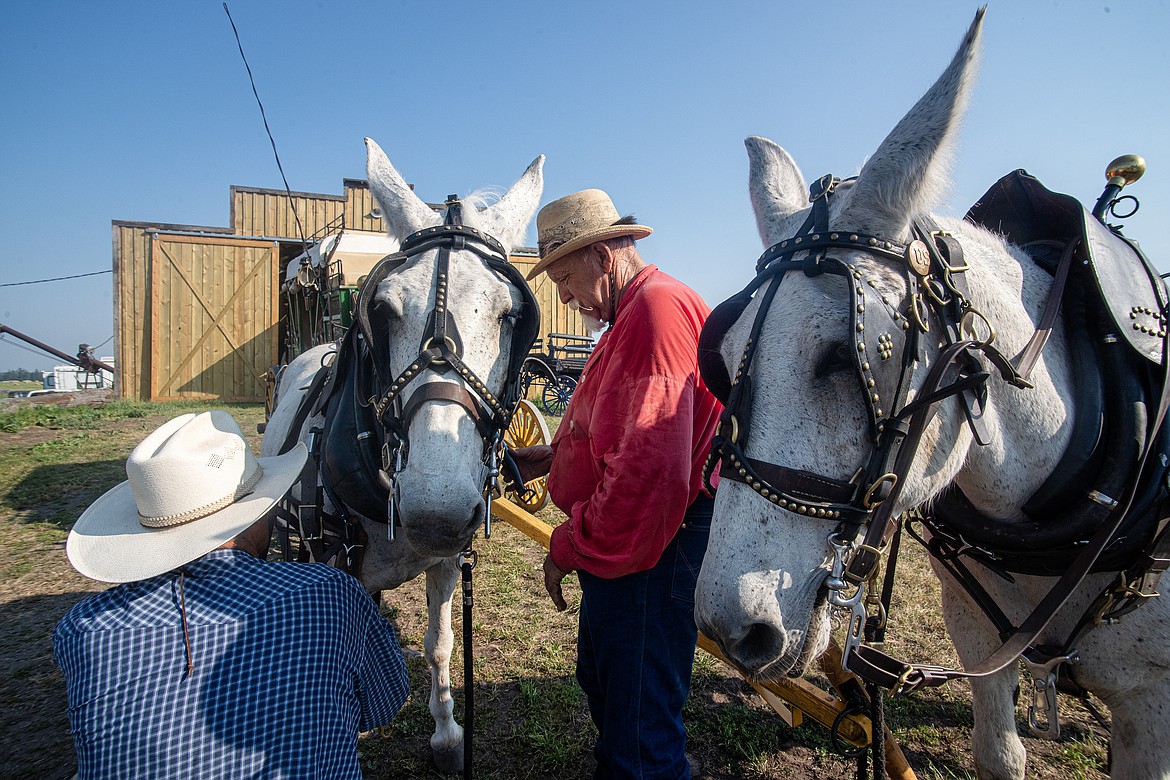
<point x="20" y="374"/>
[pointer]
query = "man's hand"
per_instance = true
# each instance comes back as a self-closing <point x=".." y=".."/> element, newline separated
<point x="533" y="462"/>
<point x="553" y="575"/>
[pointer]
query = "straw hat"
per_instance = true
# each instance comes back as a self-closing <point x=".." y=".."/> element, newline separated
<point x="575" y="221"/>
<point x="193" y="485"/>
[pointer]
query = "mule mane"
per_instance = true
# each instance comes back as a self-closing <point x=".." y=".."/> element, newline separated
<point x="482" y="197"/>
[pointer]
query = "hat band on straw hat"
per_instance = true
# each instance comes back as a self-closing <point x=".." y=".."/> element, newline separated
<point x="166" y="521"/>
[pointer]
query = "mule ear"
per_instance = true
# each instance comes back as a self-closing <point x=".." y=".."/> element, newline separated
<point x="507" y="219"/>
<point x="776" y="185"/>
<point x="907" y="175"/>
<point x="403" y="211"/>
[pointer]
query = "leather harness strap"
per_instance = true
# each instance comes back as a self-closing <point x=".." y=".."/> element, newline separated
<point x="381" y="410"/>
<point x="1031" y="352"/>
<point x="936" y="292"/>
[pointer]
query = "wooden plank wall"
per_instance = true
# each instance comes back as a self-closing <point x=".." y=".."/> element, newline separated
<point x="359" y="202"/>
<point x="213" y="326"/>
<point x="265" y="212"/>
<point x="555" y="317"/>
<point x="131" y="311"/>
<point x="254" y="212"/>
<point x="261" y="212"/>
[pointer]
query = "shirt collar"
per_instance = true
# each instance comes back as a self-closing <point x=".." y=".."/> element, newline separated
<point x="633" y="287"/>
<point x="218" y="559"/>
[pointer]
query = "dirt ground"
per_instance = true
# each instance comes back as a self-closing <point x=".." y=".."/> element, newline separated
<point x="531" y="722"/>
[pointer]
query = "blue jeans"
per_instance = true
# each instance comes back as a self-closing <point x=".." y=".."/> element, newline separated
<point x="635" y="648"/>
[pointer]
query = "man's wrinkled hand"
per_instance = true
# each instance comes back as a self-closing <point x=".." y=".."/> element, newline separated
<point x="553" y="575"/>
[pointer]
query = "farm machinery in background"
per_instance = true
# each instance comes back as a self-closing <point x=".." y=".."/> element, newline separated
<point x="88" y="372"/>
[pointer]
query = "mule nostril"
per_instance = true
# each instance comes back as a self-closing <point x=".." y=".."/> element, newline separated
<point x="761" y="645"/>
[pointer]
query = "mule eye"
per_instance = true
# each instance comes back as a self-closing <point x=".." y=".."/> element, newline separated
<point x="834" y="360"/>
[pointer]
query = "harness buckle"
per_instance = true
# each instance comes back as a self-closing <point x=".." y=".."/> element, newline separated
<point x="967" y="324"/>
<point x="921" y="311"/>
<point x="904" y="683"/>
<point x="879" y="491"/>
<point x="945" y="254"/>
<point x="1124" y="591"/>
<point x="822" y="187"/>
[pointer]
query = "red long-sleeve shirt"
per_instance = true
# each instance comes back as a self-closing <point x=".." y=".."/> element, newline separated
<point x="628" y="456"/>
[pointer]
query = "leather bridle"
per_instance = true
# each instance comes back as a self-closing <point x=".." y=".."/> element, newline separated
<point x="935" y="292"/>
<point x="936" y="295"/>
<point x="441" y="351"/>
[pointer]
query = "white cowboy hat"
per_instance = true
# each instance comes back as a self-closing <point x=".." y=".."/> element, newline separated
<point x="193" y="485"/>
<point x="576" y="221"/>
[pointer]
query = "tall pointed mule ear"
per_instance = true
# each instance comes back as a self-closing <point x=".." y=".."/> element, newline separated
<point x="908" y="174"/>
<point x="507" y="219"/>
<point x="777" y="188"/>
<point x="403" y="211"/>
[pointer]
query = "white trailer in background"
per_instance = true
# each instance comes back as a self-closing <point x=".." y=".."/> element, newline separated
<point x="66" y="379"/>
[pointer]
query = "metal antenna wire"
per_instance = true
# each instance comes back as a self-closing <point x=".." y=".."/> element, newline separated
<point x="263" y="116"/>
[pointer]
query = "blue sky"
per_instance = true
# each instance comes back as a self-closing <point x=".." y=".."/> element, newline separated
<point x="143" y="111"/>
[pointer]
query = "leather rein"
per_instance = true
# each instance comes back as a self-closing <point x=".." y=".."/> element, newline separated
<point x="936" y="293"/>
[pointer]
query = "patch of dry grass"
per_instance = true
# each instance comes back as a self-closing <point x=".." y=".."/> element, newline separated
<point x="531" y="719"/>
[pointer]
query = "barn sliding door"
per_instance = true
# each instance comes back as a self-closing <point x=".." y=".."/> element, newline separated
<point x="214" y="317"/>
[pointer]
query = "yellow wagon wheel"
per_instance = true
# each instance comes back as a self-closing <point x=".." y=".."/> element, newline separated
<point x="528" y="428"/>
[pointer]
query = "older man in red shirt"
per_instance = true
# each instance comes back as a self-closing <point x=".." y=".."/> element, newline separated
<point x="625" y="466"/>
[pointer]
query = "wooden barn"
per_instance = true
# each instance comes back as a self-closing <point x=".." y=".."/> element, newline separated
<point x="199" y="312"/>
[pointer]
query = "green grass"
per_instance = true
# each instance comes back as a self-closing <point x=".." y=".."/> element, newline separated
<point x="531" y="717"/>
<point x="93" y="417"/>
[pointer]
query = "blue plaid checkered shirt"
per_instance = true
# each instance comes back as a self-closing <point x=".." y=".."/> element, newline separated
<point x="290" y="662"/>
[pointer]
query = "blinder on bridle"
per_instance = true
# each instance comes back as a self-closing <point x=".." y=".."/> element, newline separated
<point x="878" y="332"/>
<point x="441" y="350"/>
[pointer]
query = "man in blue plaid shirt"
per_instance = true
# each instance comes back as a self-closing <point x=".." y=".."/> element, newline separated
<point x="208" y="662"/>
